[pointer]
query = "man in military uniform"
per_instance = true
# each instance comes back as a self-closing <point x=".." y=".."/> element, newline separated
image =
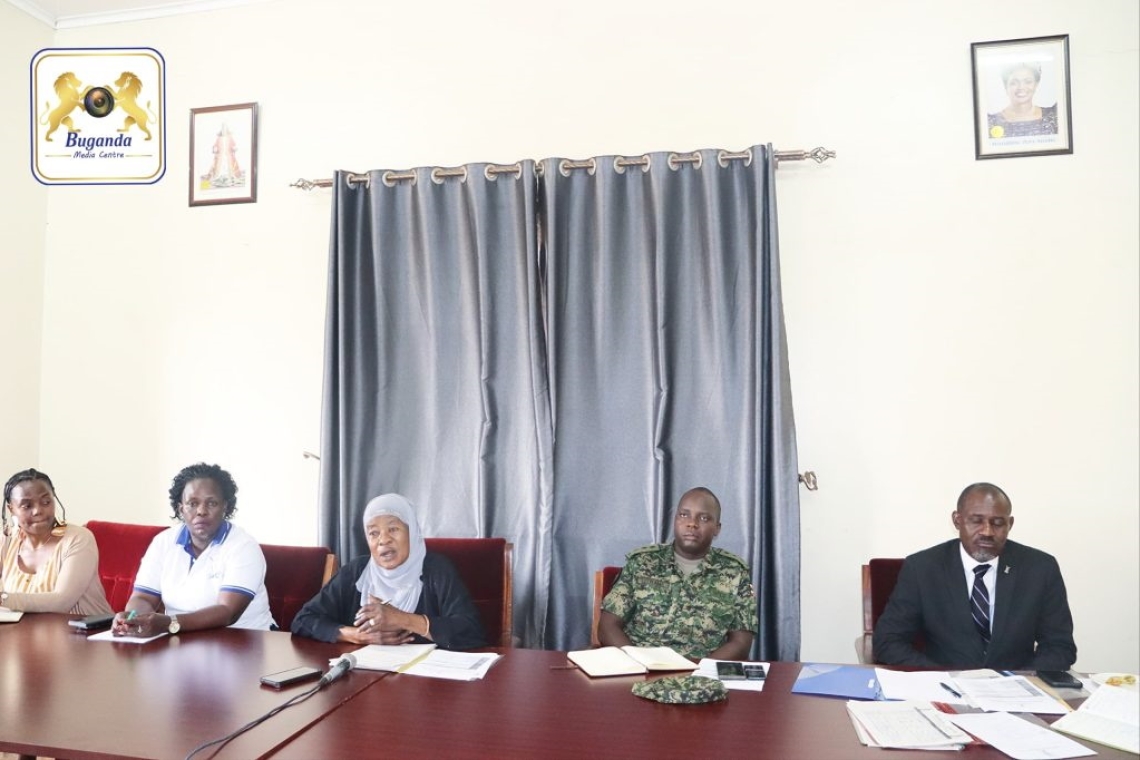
<point x="685" y="595"/>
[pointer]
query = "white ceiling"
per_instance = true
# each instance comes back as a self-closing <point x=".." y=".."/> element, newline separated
<point x="69" y="14"/>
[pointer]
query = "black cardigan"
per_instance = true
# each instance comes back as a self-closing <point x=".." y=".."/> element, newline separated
<point x="454" y="621"/>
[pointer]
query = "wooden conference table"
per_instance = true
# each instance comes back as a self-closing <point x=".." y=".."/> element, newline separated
<point x="61" y="695"/>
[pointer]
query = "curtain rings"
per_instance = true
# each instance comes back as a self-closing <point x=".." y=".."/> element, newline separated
<point x="391" y="178"/>
<point x="492" y="171"/>
<point x="676" y="159"/>
<point x="352" y="180"/>
<point x="438" y="174"/>
<point x="620" y="162"/>
<point x="565" y="166"/>
<point x="724" y="156"/>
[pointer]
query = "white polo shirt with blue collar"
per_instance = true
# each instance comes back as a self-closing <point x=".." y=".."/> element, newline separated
<point x="232" y="562"/>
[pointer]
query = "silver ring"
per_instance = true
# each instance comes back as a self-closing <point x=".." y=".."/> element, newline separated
<point x="138" y="629"/>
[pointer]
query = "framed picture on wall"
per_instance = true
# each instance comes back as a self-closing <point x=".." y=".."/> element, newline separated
<point x="223" y="154"/>
<point x="1021" y="97"/>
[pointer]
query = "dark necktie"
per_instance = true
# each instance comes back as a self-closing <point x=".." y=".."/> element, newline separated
<point x="980" y="604"/>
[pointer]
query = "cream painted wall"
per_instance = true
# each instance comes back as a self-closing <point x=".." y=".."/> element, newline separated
<point x="21" y="255"/>
<point x="950" y="320"/>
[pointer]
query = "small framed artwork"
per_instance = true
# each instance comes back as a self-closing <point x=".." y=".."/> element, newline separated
<point x="223" y="154"/>
<point x="1021" y="97"/>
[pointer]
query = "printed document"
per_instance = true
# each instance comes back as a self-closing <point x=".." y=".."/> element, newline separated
<point x="1010" y="694"/>
<point x="1111" y="716"/>
<point x="390" y="657"/>
<point x="1019" y="738"/>
<point x="904" y="725"/>
<point x="454" y="666"/>
<point x="921" y="685"/>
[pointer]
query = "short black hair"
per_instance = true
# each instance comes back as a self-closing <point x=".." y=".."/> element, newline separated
<point x="199" y="471"/>
<point x="989" y="488"/>
<point x="705" y="492"/>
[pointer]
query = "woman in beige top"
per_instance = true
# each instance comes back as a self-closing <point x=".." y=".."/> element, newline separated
<point x="46" y="565"/>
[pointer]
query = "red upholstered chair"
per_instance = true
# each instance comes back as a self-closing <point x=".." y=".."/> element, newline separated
<point x="293" y="576"/>
<point x="121" y="549"/>
<point x="879" y="578"/>
<point x="603" y="581"/>
<point x="484" y="565"/>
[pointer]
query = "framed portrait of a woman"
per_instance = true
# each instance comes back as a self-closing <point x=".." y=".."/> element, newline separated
<point x="1021" y="97"/>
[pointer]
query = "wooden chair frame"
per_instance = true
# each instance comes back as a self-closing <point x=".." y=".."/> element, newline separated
<point x="600" y="591"/>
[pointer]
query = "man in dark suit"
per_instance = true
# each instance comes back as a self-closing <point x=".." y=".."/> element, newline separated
<point x="979" y="601"/>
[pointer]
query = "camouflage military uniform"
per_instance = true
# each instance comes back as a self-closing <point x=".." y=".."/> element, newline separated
<point x="692" y="615"/>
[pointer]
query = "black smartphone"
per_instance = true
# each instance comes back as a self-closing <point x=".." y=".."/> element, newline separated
<point x="754" y="672"/>
<point x="92" y="622"/>
<point x="1061" y="679"/>
<point x="290" y="677"/>
<point x="730" y="671"/>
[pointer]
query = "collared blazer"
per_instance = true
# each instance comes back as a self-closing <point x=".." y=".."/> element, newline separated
<point x="1032" y="625"/>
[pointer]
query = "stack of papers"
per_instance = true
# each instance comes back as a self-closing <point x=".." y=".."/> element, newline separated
<point x="612" y="661"/>
<point x="1009" y="694"/>
<point x="454" y="666"/>
<point x="1018" y="738"/>
<point x="424" y="660"/>
<point x="919" y="685"/>
<point x="391" y="657"/>
<point x="1111" y="716"/>
<point x="904" y="725"/>
<point x="10" y="616"/>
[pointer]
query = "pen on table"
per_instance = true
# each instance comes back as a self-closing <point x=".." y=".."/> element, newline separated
<point x="564" y="667"/>
<point x="131" y="614"/>
<point x="952" y="691"/>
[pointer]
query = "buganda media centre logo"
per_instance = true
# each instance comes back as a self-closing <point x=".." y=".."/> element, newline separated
<point x="98" y="116"/>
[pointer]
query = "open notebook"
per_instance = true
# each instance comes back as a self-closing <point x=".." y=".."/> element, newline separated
<point x="612" y="661"/>
<point x="10" y="616"/>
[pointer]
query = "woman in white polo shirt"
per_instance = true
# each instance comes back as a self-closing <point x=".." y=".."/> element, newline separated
<point x="204" y="572"/>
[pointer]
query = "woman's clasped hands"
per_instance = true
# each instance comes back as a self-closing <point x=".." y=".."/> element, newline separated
<point x="377" y="622"/>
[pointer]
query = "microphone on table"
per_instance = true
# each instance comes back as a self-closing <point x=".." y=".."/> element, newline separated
<point x="344" y="663"/>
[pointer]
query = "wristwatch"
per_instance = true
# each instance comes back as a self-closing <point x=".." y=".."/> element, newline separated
<point x="174" y="626"/>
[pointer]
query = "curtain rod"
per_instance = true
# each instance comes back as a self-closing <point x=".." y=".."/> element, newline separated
<point x="819" y="155"/>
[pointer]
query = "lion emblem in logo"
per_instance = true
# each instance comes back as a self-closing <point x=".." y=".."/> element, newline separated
<point x="126" y="95"/>
<point x="67" y="87"/>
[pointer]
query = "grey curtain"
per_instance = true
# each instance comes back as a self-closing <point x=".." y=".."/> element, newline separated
<point x="435" y="373"/>
<point x="669" y="370"/>
<point x="565" y="394"/>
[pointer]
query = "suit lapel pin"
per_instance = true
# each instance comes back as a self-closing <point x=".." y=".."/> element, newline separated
<point x="1007" y="569"/>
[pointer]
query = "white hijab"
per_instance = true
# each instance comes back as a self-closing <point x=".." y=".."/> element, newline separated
<point x="401" y="586"/>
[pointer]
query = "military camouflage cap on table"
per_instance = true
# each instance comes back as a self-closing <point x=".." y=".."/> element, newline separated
<point x="682" y="690"/>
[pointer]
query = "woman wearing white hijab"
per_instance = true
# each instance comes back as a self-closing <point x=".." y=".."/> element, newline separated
<point x="397" y="594"/>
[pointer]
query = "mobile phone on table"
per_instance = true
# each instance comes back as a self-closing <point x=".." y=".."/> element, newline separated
<point x="754" y="672"/>
<point x="1061" y="679"/>
<point x="290" y="677"/>
<point x="730" y="671"/>
<point x="92" y="622"/>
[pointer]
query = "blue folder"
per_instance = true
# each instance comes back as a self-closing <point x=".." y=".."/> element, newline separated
<point x="850" y="681"/>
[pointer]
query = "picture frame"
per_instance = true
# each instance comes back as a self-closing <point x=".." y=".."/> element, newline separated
<point x="223" y="154"/>
<point x="1022" y="103"/>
